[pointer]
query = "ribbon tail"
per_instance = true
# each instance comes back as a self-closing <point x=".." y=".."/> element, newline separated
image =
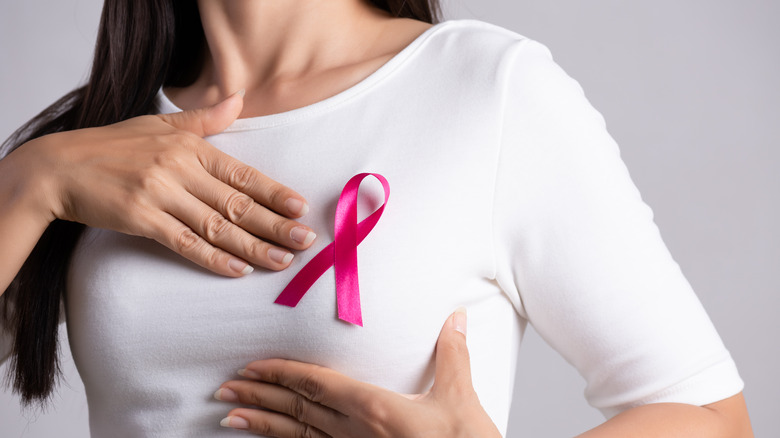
<point x="348" y="289"/>
<point x="345" y="254"/>
<point x="306" y="277"/>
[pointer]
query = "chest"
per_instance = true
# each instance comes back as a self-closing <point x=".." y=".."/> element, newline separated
<point x="139" y="306"/>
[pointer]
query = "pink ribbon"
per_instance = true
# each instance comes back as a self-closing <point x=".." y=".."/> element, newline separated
<point x="341" y="254"/>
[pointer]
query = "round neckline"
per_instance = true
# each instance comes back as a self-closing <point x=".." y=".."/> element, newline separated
<point x="165" y="105"/>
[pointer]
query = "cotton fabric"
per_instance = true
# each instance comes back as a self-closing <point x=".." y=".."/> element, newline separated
<point x="508" y="196"/>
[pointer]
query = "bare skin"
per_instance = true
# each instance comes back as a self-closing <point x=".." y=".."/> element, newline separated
<point x="151" y="176"/>
<point x="286" y="55"/>
<point x="291" y="54"/>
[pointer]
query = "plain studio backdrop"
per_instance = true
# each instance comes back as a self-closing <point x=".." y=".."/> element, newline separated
<point x="689" y="90"/>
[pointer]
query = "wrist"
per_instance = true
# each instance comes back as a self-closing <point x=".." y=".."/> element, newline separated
<point x="30" y="182"/>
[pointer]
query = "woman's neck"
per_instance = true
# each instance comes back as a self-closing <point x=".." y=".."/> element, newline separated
<point x="260" y="45"/>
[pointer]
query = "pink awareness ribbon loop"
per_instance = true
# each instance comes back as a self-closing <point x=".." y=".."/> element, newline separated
<point x="341" y="254"/>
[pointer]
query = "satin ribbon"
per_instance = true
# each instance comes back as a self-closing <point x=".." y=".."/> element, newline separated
<point x="341" y="254"/>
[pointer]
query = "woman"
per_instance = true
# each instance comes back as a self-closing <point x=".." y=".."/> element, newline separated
<point x="494" y="158"/>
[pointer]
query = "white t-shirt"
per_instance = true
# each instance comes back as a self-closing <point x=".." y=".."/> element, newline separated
<point x="507" y="195"/>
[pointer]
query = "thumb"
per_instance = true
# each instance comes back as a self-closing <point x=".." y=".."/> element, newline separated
<point x="453" y="370"/>
<point x="209" y="120"/>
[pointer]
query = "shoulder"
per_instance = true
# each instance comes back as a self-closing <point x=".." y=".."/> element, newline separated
<point x="474" y="38"/>
<point x="474" y="47"/>
<point x="476" y="33"/>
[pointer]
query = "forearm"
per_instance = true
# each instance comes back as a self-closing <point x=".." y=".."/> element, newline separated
<point x="23" y="214"/>
<point x="727" y="418"/>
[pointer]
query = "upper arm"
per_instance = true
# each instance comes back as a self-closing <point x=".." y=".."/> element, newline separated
<point x="734" y="416"/>
<point x="579" y="250"/>
<point x="722" y="419"/>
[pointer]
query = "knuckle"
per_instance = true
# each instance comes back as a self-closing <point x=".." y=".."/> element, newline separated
<point x="137" y="202"/>
<point x="253" y="398"/>
<point x="276" y="376"/>
<point x="186" y="241"/>
<point x="375" y="411"/>
<point x="213" y="258"/>
<point x="215" y="226"/>
<point x="168" y="159"/>
<point x="241" y="176"/>
<point x="151" y="180"/>
<point x="277" y="195"/>
<point x="257" y="249"/>
<point x="298" y="408"/>
<point x="238" y="205"/>
<point x="376" y="416"/>
<point x="312" y="388"/>
<point x="279" y="229"/>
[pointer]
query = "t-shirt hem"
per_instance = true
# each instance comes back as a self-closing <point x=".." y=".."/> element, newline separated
<point x="697" y="390"/>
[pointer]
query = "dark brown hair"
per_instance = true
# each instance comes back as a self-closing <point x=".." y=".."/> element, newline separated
<point x="141" y="46"/>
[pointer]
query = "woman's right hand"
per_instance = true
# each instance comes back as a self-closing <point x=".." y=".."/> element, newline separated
<point x="155" y="176"/>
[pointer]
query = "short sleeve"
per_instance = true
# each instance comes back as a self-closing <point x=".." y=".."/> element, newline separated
<point x="579" y="254"/>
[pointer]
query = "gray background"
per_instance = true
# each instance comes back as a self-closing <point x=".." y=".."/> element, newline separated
<point x="688" y="88"/>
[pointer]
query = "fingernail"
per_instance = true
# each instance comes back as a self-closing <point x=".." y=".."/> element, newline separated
<point x="459" y="320"/>
<point x="241" y="92"/>
<point x="234" y="422"/>
<point x="249" y="374"/>
<point x="280" y="256"/>
<point x="226" y="394"/>
<point x="239" y="266"/>
<point x="296" y="206"/>
<point x="302" y="235"/>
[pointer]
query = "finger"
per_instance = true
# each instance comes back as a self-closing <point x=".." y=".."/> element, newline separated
<point x="222" y="233"/>
<point x="249" y="180"/>
<point x="282" y="400"/>
<point x="243" y="211"/>
<point x="180" y="238"/>
<point x="207" y="121"/>
<point x="318" y="384"/>
<point x="453" y="370"/>
<point x="270" y="424"/>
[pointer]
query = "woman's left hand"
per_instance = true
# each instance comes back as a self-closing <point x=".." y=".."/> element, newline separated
<point x="304" y="400"/>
